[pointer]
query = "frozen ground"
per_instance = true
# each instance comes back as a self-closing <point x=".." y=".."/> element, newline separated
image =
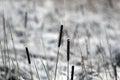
<point x="81" y="18"/>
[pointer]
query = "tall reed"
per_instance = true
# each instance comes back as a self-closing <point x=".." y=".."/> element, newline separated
<point x="4" y="32"/>
<point x="59" y="44"/>
<point x="25" y="26"/>
<point x="29" y="61"/>
<point x="68" y="57"/>
<point x="25" y="44"/>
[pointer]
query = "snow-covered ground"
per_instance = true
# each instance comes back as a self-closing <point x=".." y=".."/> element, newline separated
<point x="81" y="18"/>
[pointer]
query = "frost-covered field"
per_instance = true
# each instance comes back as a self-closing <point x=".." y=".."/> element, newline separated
<point x="93" y="27"/>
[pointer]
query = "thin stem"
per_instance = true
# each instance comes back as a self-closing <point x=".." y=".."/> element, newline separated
<point x="67" y="70"/>
<point x="68" y="57"/>
<point x="56" y="64"/>
<point x="36" y="70"/>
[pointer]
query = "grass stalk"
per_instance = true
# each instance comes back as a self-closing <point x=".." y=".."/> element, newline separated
<point x="25" y="26"/>
<point x="44" y="51"/>
<point x="56" y="66"/>
<point x="103" y="58"/>
<point x="26" y="19"/>
<point x="37" y="71"/>
<point x="109" y="48"/>
<point x="4" y="32"/>
<point x="82" y="59"/>
<point x="89" y="60"/>
<point x="47" y="73"/>
<point x="2" y="54"/>
<point x="6" y="43"/>
<point x="6" y="52"/>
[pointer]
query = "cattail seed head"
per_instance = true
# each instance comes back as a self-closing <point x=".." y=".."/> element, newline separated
<point x="72" y="73"/>
<point x="68" y="49"/>
<point x="26" y="19"/>
<point x="60" y="36"/>
<point x="28" y="55"/>
<point x="3" y="18"/>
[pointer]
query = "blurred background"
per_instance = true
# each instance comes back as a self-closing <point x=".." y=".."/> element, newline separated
<point x="95" y="23"/>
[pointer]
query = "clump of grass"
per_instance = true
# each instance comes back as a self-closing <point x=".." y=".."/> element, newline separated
<point x="14" y="49"/>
